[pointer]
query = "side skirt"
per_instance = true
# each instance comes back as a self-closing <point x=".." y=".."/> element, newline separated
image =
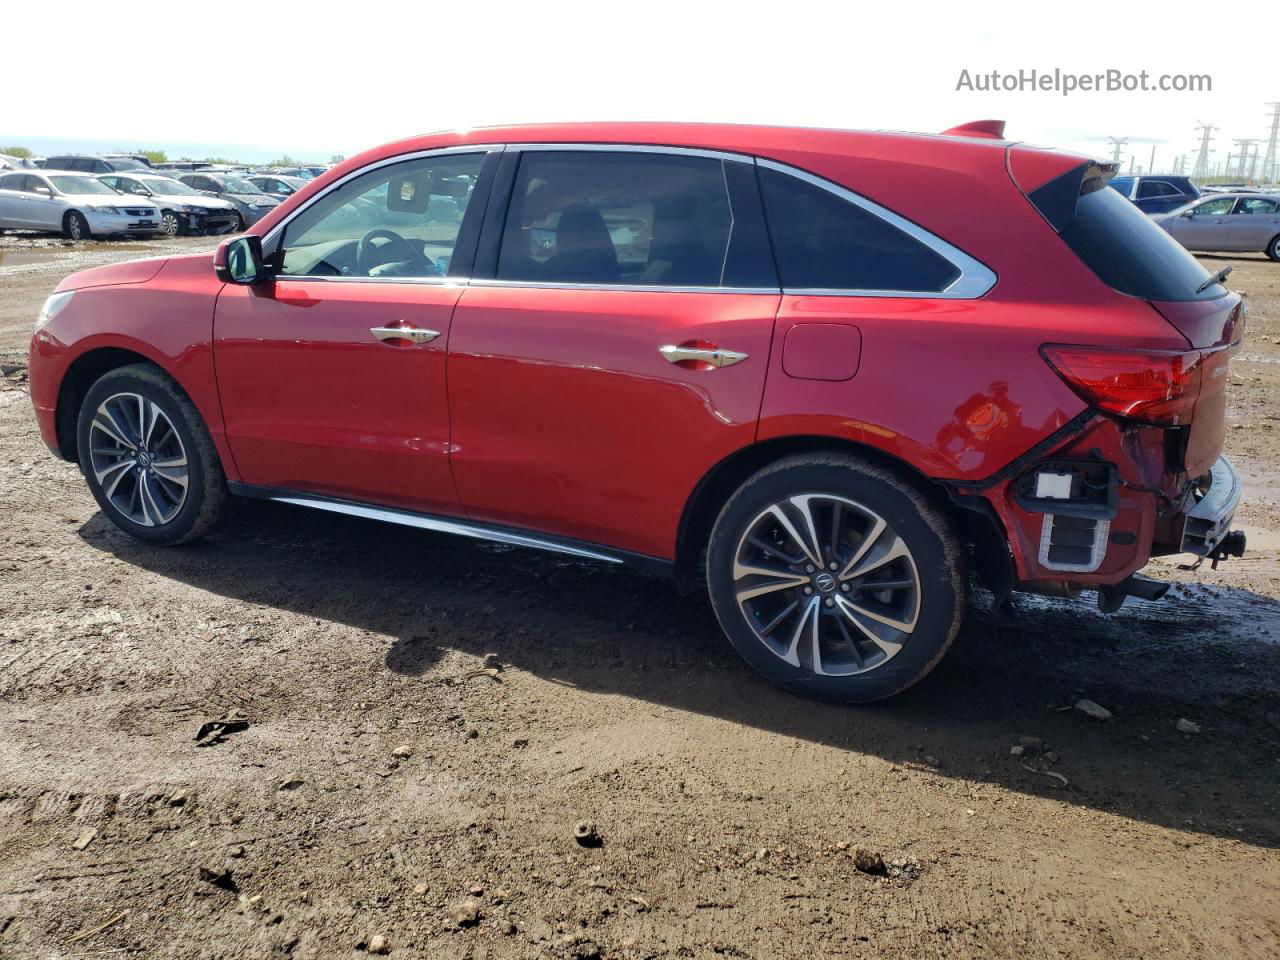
<point x="653" y="566"/>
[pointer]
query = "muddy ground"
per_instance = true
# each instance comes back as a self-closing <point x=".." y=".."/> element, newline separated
<point x="729" y="811"/>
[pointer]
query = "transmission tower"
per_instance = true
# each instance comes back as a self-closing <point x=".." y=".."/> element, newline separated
<point x="1245" y="146"/>
<point x="1201" y="169"/>
<point x="1116" y="144"/>
<point x="1270" y="161"/>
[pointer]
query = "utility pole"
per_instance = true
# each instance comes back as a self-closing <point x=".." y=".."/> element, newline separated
<point x="1202" y="158"/>
<point x="1116" y="144"/>
<point x="1244" y="146"/>
<point x="1271" y="161"/>
<point x="1151" y="167"/>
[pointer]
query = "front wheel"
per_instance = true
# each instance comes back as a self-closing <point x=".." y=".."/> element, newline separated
<point x="836" y="578"/>
<point x="170" y="224"/>
<point x="75" y="226"/>
<point x="148" y="457"/>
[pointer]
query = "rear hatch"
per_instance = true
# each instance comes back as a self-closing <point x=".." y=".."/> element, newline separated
<point x="1128" y="252"/>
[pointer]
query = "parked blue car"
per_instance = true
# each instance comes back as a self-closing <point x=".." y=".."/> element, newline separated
<point x="1157" y="194"/>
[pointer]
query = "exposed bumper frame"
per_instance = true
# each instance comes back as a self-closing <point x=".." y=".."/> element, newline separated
<point x="1210" y="519"/>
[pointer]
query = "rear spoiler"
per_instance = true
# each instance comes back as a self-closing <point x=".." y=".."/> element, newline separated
<point x="1056" y="196"/>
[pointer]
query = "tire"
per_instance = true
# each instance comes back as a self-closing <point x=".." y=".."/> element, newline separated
<point x="170" y="224"/>
<point x="163" y="504"/>
<point x="75" y="226"/>
<point x="1273" y="248"/>
<point x="240" y="225"/>
<point x="860" y="654"/>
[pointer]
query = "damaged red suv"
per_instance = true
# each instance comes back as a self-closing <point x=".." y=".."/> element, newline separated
<point x="825" y="373"/>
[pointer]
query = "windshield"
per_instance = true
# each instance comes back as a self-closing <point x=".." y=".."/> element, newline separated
<point x="1130" y="253"/>
<point x="1123" y="184"/>
<point x="170" y="188"/>
<point x="237" y="185"/>
<point x="70" y="184"/>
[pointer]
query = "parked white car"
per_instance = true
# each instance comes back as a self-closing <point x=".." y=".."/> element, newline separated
<point x="183" y="209"/>
<point x="72" y="204"/>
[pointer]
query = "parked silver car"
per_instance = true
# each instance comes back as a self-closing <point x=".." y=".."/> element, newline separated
<point x="72" y="204"/>
<point x="1227" y="221"/>
<point x="183" y="209"/>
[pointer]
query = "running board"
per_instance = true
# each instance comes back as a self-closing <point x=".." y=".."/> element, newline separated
<point x="426" y="522"/>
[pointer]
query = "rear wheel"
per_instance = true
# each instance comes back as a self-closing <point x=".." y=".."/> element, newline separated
<point x="836" y="578"/>
<point x="1273" y="248"/>
<point x="148" y="457"/>
<point x="75" y="226"/>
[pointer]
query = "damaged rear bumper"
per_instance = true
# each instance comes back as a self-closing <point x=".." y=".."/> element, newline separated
<point x="1209" y="521"/>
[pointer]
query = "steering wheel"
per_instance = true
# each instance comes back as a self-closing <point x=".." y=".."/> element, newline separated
<point x="396" y="250"/>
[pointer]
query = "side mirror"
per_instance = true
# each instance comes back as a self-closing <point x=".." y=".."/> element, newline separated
<point x="1188" y="213"/>
<point x="239" y="260"/>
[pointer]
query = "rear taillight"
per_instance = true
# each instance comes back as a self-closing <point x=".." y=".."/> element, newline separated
<point x="1154" y="386"/>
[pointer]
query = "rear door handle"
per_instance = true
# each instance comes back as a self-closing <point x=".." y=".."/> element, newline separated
<point x="412" y="334"/>
<point x="712" y="355"/>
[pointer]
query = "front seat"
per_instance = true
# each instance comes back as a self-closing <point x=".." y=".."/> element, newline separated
<point x="584" y="249"/>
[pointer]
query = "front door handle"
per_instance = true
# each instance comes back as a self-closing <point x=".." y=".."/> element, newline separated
<point x="712" y="355"/>
<point x="412" y="334"/>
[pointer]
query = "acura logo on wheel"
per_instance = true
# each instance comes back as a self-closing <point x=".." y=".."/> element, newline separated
<point x="826" y="582"/>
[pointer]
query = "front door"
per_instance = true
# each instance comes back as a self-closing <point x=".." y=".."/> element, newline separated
<point x="332" y="376"/>
<point x="1206" y="228"/>
<point x="616" y="349"/>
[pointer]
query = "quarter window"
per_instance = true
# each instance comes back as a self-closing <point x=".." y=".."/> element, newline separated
<point x="825" y="242"/>
<point x="1157" y="188"/>
<point x="400" y="220"/>
<point x="625" y="218"/>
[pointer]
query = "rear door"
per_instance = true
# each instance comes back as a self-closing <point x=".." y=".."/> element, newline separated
<point x="332" y="376"/>
<point x="1254" y="222"/>
<point x="612" y="346"/>
<point x="15" y="206"/>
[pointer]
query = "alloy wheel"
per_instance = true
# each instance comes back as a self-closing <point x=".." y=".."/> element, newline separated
<point x="74" y="230"/>
<point x="169" y="224"/>
<point x="826" y="584"/>
<point x="138" y="459"/>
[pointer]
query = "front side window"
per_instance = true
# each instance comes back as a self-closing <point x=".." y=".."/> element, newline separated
<point x="401" y="220"/>
<point x="824" y="242"/>
<point x="625" y="218"/>
<point x="1215" y="208"/>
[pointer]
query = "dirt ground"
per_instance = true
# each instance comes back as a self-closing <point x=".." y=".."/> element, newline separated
<point x="381" y="782"/>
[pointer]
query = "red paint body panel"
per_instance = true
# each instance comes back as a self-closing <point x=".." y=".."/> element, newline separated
<point x="313" y="402"/>
<point x="552" y="409"/>
<point x="566" y="417"/>
<point x="956" y="388"/>
<point x="167" y="320"/>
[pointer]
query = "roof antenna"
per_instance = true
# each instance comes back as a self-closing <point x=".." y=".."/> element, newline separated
<point x="982" y="129"/>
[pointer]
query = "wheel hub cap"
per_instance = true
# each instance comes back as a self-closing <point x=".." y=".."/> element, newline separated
<point x="826" y="584"/>
<point x="138" y="459"/>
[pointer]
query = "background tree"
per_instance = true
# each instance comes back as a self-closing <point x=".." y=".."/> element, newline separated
<point x="22" y="153"/>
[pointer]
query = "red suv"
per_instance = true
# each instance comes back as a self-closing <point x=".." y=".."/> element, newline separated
<point x="826" y="373"/>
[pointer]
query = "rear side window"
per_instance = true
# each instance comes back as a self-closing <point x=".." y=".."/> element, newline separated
<point x="1127" y="251"/>
<point x="626" y="218"/>
<point x="824" y="242"/>
<point x="12" y="182"/>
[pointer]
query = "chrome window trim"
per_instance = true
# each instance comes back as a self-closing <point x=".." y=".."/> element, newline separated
<point x="634" y="148"/>
<point x="975" y="278"/>
<point x="621" y="287"/>
<point x="279" y="228"/>
<point x="434" y="281"/>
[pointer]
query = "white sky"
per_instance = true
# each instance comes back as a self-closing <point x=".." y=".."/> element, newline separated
<point x="338" y="77"/>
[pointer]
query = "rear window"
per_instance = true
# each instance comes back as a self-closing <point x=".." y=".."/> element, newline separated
<point x="1129" y="252"/>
